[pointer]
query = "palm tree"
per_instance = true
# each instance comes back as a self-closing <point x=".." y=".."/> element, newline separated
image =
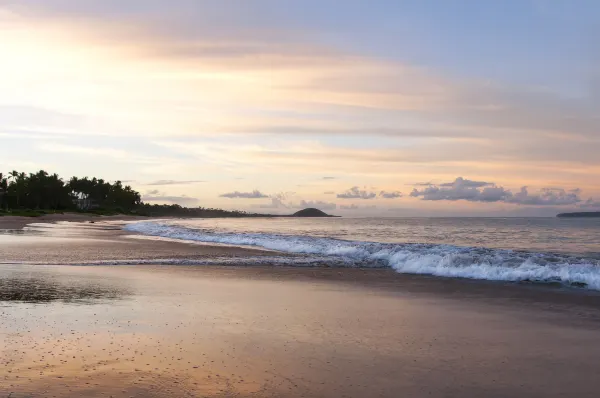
<point x="3" y="189"/>
<point x="42" y="190"/>
<point x="18" y="184"/>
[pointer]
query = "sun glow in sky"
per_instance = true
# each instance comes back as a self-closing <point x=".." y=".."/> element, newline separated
<point x="385" y="108"/>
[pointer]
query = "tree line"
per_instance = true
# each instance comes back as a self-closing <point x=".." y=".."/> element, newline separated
<point x="44" y="191"/>
<point x="174" y="210"/>
<point x="35" y="193"/>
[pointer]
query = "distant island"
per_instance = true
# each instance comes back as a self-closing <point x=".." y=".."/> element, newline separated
<point x="311" y="212"/>
<point x="581" y="214"/>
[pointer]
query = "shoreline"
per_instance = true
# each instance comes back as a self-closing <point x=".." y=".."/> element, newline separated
<point x="20" y="222"/>
<point x="80" y="242"/>
<point x="108" y="245"/>
<point x="98" y="244"/>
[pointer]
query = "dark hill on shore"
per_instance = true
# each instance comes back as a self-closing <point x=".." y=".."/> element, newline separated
<point x="311" y="212"/>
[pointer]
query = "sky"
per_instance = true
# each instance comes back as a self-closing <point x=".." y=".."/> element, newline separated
<point x="383" y="108"/>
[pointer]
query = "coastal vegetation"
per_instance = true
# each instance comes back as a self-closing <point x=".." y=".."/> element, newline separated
<point x="41" y="193"/>
<point x="156" y="210"/>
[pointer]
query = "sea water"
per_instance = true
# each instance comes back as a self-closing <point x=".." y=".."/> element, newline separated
<point x="505" y="249"/>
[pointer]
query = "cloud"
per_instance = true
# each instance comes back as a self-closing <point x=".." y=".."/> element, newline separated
<point x="357" y="193"/>
<point x="278" y="201"/>
<point x="547" y="196"/>
<point x="281" y="201"/>
<point x="173" y="182"/>
<point x="465" y="183"/>
<point x="357" y="207"/>
<point x="329" y="178"/>
<point x="591" y="203"/>
<point x="463" y="189"/>
<point x="275" y="204"/>
<point x="102" y="152"/>
<point x="390" y="194"/>
<point x="480" y="191"/>
<point x="157" y="196"/>
<point x="329" y="193"/>
<point x="316" y="204"/>
<point x="343" y="79"/>
<point x="256" y="194"/>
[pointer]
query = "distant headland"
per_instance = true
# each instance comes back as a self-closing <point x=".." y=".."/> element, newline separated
<point x="582" y="214"/>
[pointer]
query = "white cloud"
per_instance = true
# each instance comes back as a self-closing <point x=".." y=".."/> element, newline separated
<point x="357" y="207"/>
<point x="100" y="152"/>
<point x="277" y="201"/>
<point x="159" y="197"/>
<point x="357" y="193"/>
<point x="256" y="194"/>
<point x="173" y="182"/>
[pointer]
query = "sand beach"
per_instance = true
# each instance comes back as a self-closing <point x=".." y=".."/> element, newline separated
<point x="154" y="330"/>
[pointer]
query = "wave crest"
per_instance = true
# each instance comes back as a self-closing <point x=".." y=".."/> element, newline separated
<point x="430" y="259"/>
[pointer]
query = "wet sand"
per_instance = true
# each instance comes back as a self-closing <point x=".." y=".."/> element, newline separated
<point x="17" y="223"/>
<point x="67" y="242"/>
<point x="189" y="331"/>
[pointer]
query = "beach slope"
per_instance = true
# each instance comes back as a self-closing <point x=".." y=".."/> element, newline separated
<point x="256" y="331"/>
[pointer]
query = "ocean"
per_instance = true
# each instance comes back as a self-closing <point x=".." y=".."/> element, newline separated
<point x="538" y="250"/>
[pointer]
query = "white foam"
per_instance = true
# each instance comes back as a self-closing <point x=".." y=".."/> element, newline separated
<point x="439" y="260"/>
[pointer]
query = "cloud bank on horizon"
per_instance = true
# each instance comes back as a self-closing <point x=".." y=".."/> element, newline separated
<point x="479" y="191"/>
<point x="461" y="189"/>
<point x="225" y="103"/>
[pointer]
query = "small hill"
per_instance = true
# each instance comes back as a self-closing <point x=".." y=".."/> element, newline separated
<point x="311" y="212"/>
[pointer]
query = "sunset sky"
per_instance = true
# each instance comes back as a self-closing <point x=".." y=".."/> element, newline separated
<point x="384" y="108"/>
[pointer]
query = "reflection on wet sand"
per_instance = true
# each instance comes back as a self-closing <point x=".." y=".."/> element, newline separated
<point x="19" y="232"/>
<point x="169" y="339"/>
<point x="253" y="332"/>
<point x="38" y="290"/>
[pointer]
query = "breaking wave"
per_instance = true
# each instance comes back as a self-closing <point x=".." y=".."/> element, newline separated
<point x="430" y="259"/>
